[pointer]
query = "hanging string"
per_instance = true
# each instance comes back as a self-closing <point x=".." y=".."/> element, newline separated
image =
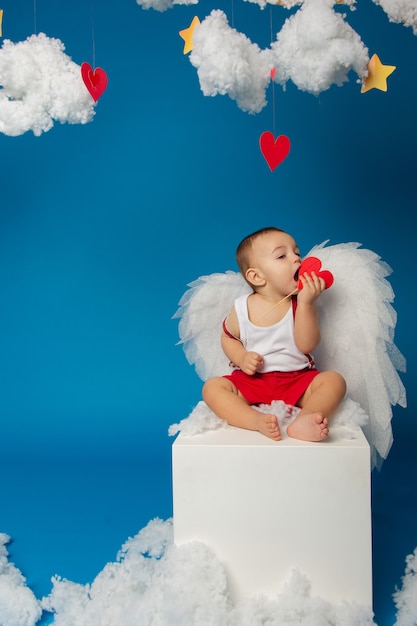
<point x="272" y="79"/>
<point x="34" y="17"/>
<point x="233" y="15"/>
<point x="93" y="35"/>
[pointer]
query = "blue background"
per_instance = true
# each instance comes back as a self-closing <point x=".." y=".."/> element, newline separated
<point x="103" y="225"/>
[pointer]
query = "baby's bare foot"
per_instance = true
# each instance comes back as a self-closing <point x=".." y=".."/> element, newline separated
<point x="268" y="425"/>
<point x="309" y="427"/>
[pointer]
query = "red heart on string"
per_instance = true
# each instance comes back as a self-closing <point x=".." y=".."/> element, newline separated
<point x="313" y="264"/>
<point x="95" y="81"/>
<point x="274" y="150"/>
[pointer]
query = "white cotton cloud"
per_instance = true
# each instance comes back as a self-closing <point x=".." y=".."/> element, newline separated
<point x="163" y="5"/>
<point x="40" y="85"/>
<point x="400" y="11"/>
<point x="348" y="417"/>
<point x="154" y="582"/>
<point x="406" y="598"/>
<point x="18" y="605"/>
<point x="289" y="4"/>
<point x="316" y="48"/>
<point x="228" y="63"/>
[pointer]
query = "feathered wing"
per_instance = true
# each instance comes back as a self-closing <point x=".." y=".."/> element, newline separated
<point x="357" y="324"/>
<point x="202" y="309"/>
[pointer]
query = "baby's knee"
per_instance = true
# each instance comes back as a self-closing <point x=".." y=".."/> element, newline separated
<point x="212" y="385"/>
<point x="332" y="380"/>
<point x="338" y="382"/>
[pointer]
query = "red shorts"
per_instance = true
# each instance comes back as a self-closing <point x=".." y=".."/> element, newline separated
<point x="264" y="388"/>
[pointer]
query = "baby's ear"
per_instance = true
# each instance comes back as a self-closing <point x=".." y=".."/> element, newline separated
<point x="254" y="277"/>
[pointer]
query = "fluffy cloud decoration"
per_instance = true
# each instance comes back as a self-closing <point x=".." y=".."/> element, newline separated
<point x="348" y="418"/>
<point x="40" y="84"/>
<point x="290" y="4"/>
<point x="316" y="48"/>
<point x="229" y="63"/>
<point x="162" y="5"/>
<point x="406" y="598"/>
<point x="154" y="582"/>
<point x="400" y="11"/>
<point x="18" y="605"/>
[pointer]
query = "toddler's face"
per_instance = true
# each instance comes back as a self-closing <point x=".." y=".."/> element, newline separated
<point x="277" y="257"/>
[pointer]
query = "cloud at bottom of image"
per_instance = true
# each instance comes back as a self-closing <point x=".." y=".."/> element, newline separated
<point x="154" y="582"/>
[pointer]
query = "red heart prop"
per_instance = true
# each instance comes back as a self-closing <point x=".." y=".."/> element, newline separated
<point x="274" y="150"/>
<point x="313" y="264"/>
<point x="95" y="81"/>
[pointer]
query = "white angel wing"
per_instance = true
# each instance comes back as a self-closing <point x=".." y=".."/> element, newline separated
<point x="202" y="309"/>
<point x="357" y="324"/>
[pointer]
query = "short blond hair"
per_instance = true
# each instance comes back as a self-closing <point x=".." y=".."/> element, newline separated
<point x="244" y="249"/>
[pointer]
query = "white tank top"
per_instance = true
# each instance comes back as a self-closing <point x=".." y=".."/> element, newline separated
<point x="275" y="343"/>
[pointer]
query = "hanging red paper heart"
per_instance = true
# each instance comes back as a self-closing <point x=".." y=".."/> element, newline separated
<point x="274" y="150"/>
<point x="313" y="264"/>
<point x="95" y="81"/>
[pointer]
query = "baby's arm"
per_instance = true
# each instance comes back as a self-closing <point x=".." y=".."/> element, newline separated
<point x="248" y="362"/>
<point x="306" y="322"/>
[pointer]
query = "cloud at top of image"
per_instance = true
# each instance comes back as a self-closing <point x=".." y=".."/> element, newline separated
<point x="315" y="49"/>
<point x="229" y="63"/>
<point x="154" y="582"/>
<point x="163" y="5"/>
<point x="40" y="85"/>
<point x="398" y="11"/>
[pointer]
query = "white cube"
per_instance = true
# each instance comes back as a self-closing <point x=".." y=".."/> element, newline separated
<point x="267" y="507"/>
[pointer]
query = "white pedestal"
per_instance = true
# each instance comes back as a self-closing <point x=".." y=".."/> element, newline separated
<point x="268" y="507"/>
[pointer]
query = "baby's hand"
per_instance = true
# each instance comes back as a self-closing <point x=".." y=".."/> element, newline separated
<point x="313" y="286"/>
<point x="251" y="362"/>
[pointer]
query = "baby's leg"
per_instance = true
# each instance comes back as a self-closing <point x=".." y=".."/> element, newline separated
<point x="321" y="399"/>
<point x="221" y="395"/>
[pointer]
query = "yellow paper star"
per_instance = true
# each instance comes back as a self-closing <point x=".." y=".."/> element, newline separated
<point x="1" y="22"/>
<point x="377" y="75"/>
<point x="187" y="35"/>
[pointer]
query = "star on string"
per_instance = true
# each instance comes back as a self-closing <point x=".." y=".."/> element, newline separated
<point x="1" y="22"/>
<point x="187" y="35"/>
<point x="377" y="75"/>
